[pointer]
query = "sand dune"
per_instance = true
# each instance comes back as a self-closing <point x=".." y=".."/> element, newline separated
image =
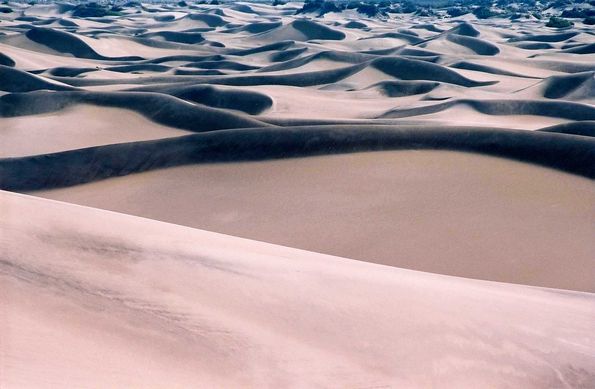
<point x="405" y="88"/>
<point x="487" y="69"/>
<point x="90" y="164"/>
<point x="64" y="42"/>
<point x="175" y="36"/>
<point x="558" y="109"/>
<point x="143" y="305"/>
<point x="261" y="72"/>
<point x="237" y="99"/>
<point x="393" y="133"/>
<point x="15" y="80"/>
<point x="575" y="86"/>
<point x="586" y="128"/>
<point x="581" y="49"/>
<point x="302" y="30"/>
<point x="370" y="206"/>
<point x="77" y="127"/>
<point x="161" y="108"/>
<point x="5" y="60"/>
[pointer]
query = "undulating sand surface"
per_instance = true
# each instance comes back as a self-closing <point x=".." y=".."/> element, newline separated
<point x="396" y="186"/>
<point x="438" y="211"/>
<point x="100" y="299"/>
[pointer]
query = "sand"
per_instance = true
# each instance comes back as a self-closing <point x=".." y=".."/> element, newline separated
<point x="77" y="127"/>
<point x="443" y="212"/>
<point x="358" y="201"/>
<point x="122" y="301"/>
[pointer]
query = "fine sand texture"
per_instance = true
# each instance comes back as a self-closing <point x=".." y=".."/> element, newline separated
<point x="99" y="299"/>
<point x="386" y="195"/>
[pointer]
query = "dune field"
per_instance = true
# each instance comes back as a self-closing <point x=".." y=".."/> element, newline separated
<point x="319" y="194"/>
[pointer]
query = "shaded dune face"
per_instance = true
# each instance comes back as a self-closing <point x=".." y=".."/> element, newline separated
<point x="396" y="147"/>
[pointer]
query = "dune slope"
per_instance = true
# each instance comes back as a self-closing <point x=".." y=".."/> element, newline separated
<point x="372" y="206"/>
<point x="120" y="294"/>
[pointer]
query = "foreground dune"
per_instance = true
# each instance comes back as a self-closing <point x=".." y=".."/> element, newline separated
<point x="122" y="301"/>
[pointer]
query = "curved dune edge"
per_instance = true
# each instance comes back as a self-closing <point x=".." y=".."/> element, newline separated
<point x="558" y="109"/>
<point x="397" y="67"/>
<point x="253" y="103"/>
<point x="478" y="46"/>
<point x="76" y="127"/>
<point x="143" y="293"/>
<point x="153" y="102"/>
<point x="15" y="80"/>
<point x="585" y="128"/>
<point x="67" y="43"/>
<point x="5" y="60"/>
<point x="160" y="108"/>
<point x="577" y="84"/>
<point x="95" y="163"/>
<point x="467" y="65"/>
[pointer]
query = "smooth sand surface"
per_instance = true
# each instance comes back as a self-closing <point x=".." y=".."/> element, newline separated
<point x="77" y="127"/>
<point x="445" y="212"/>
<point x="96" y="299"/>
